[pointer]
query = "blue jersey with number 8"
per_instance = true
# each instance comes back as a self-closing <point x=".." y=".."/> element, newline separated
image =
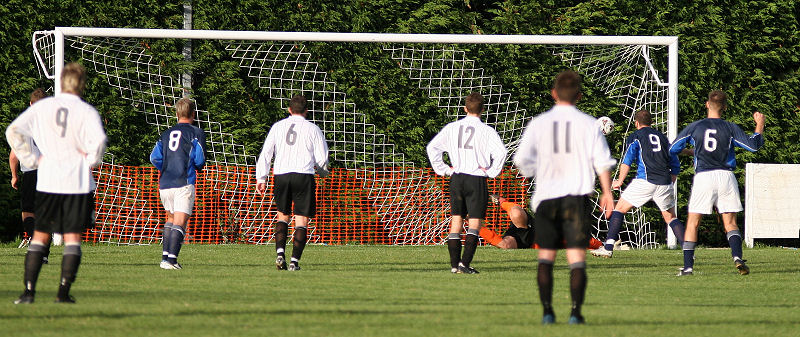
<point x="714" y="141"/>
<point x="178" y="155"/>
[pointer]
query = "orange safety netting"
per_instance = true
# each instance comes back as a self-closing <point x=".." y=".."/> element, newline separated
<point x="129" y="209"/>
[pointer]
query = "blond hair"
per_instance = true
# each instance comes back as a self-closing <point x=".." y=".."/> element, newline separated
<point x="73" y="78"/>
<point x="185" y="107"/>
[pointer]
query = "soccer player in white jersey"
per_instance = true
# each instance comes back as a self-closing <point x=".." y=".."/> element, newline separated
<point x="178" y="155"/>
<point x="300" y="151"/>
<point x="26" y="183"/>
<point x="71" y="140"/>
<point x="714" y="184"/>
<point x="564" y="150"/>
<point x="476" y="153"/>
<point x="656" y="170"/>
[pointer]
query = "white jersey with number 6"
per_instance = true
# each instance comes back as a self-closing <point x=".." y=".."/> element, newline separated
<point x="298" y="146"/>
<point x="70" y="138"/>
<point x="564" y="150"/>
<point x="474" y="148"/>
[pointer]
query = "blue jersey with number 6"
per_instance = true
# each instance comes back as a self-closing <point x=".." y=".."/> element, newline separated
<point x="178" y="155"/>
<point x="714" y="141"/>
<point x="649" y="148"/>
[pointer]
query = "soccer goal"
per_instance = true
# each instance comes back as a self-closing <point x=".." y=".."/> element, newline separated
<point x="375" y="193"/>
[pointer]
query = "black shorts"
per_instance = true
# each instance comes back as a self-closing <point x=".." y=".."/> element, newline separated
<point x="523" y="236"/>
<point x="468" y="196"/>
<point x="298" y="188"/>
<point x="564" y="220"/>
<point x="64" y="213"/>
<point x="27" y="192"/>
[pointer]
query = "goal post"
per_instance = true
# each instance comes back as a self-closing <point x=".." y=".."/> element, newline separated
<point x="365" y="152"/>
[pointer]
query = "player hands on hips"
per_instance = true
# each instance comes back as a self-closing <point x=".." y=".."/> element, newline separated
<point x="564" y="150"/>
<point x="70" y="138"/>
<point x="476" y="153"/>
<point x="300" y="150"/>
<point x="656" y="170"/>
<point x="178" y="155"/>
<point x="714" y="184"/>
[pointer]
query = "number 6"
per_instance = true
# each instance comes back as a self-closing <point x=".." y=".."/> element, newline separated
<point x="710" y="142"/>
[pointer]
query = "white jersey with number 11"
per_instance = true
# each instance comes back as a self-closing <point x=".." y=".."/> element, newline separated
<point x="563" y="150"/>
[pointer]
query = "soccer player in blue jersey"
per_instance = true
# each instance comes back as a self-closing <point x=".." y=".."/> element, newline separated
<point x="656" y="170"/>
<point x="714" y="140"/>
<point x="178" y="156"/>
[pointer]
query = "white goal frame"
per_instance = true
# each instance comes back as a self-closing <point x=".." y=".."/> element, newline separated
<point x="671" y="42"/>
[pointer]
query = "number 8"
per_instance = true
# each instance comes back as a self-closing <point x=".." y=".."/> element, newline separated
<point x="174" y="140"/>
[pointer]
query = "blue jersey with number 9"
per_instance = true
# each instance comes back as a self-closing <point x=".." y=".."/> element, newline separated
<point x="649" y="148"/>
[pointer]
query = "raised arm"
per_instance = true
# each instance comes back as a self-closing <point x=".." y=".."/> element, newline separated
<point x="753" y="142"/>
<point x="435" y="149"/>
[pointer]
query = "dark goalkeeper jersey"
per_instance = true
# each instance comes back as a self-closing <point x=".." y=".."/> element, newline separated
<point x="178" y="155"/>
<point x="714" y="140"/>
<point x="649" y="148"/>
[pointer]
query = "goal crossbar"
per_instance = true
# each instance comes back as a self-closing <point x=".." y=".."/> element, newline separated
<point x="365" y="37"/>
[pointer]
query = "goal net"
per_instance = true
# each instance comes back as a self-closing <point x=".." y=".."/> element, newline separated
<point x="375" y="194"/>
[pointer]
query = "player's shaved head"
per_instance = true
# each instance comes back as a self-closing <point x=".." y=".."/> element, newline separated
<point x="474" y="103"/>
<point x="37" y="95"/>
<point x="718" y="100"/>
<point x="298" y="104"/>
<point x="73" y="78"/>
<point x="643" y="117"/>
<point x="568" y="86"/>
<point x="185" y="108"/>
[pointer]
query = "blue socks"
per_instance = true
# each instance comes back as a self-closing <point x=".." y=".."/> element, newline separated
<point x="175" y="241"/>
<point x="165" y="241"/>
<point x="688" y="255"/>
<point x="678" y="229"/>
<point x="614" y="225"/>
<point x="735" y="241"/>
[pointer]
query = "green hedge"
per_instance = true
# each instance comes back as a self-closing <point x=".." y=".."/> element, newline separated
<point x="748" y="48"/>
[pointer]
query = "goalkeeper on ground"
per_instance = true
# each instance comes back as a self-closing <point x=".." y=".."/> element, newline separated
<point x="520" y="233"/>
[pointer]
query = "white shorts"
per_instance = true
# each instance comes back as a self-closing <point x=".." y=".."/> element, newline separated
<point x="718" y="187"/>
<point x="640" y="191"/>
<point x="180" y="199"/>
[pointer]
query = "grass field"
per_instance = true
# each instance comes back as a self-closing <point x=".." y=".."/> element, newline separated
<point x="234" y="290"/>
